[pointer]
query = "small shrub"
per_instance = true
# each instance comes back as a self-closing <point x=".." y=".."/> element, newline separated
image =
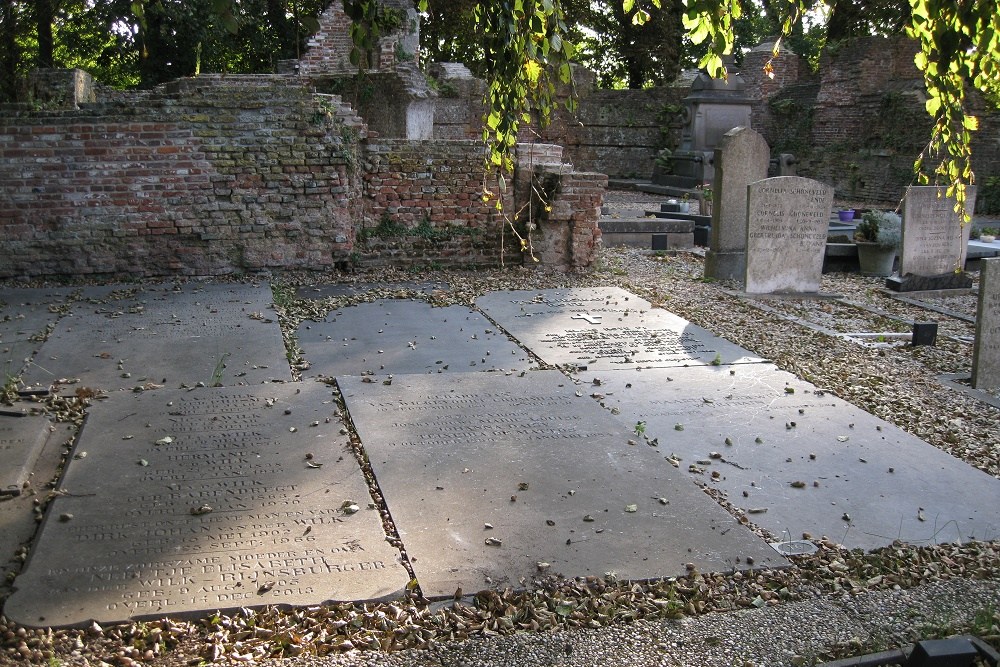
<point x="881" y="227"/>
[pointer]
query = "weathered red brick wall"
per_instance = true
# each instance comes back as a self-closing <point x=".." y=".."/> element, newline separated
<point x="615" y="132"/>
<point x="860" y="123"/>
<point x="203" y="176"/>
<point x="328" y="51"/>
<point x="424" y="207"/>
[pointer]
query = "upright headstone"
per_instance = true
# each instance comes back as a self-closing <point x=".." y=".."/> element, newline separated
<point x="986" y="353"/>
<point x="740" y="159"/>
<point x="787" y="221"/>
<point x="934" y="241"/>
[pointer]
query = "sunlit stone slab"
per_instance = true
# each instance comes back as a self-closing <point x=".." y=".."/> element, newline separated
<point x="488" y="475"/>
<point x="606" y="328"/>
<point x="218" y="334"/>
<point x="800" y="460"/>
<point x="242" y="503"/>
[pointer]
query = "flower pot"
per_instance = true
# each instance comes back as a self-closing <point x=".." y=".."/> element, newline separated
<point x="875" y="260"/>
<point x="846" y="215"/>
<point x="987" y="238"/>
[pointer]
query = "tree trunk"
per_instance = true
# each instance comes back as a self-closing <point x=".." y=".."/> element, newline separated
<point x="44" y="11"/>
<point x="9" y="53"/>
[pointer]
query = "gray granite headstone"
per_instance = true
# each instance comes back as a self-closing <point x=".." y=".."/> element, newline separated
<point x="799" y="460"/>
<point x="741" y="158"/>
<point x="935" y="241"/>
<point x="212" y="333"/>
<point x="606" y="327"/>
<point x="398" y="336"/>
<point x="787" y="221"/>
<point x="21" y="441"/>
<point x="216" y="498"/>
<point x="488" y="475"/>
<point x="986" y="353"/>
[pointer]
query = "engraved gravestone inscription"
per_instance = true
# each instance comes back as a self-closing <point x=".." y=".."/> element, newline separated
<point x="935" y="241"/>
<point x="488" y="475"/>
<point x="606" y="328"/>
<point x="209" y="499"/>
<point x="787" y="219"/>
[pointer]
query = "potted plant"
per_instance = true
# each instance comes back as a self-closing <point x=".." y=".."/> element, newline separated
<point x="877" y="237"/>
<point x="846" y="214"/>
<point x="706" y="198"/>
<point x="988" y="234"/>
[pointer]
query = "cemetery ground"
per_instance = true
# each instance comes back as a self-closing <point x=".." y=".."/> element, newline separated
<point x="835" y="602"/>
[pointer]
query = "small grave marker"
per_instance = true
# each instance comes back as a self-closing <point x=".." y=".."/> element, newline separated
<point x="787" y="220"/>
<point x="986" y="353"/>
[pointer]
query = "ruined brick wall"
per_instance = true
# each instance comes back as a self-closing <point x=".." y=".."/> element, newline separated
<point x="203" y="176"/>
<point x="860" y="123"/>
<point x="328" y="51"/>
<point x="614" y="132"/>
<point x="566" y="232"/>
<point x="423" y="206"/>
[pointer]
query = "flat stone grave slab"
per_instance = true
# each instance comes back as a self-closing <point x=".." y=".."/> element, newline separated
<point x="322" y="291"/>
<point x="21" y="441"/>
<point x="407" y="336"/>
<point x="488" y="475"/>
<point x="224" y="334"/>
<point x="25" y="315"/>
<point x="17" y="515"/>
<point x="252" y="497"/>
<point x="604" y="328"/>
<point x="800" y="460"/>
<point x="26" y="312"/>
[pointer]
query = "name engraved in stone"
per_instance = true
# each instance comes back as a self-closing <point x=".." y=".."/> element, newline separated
<point x="457" y="401"/>
<point x="621" y="342"/>
<point x="215" y="579"/>
<point x="221" y="422"/>
<point x="9" y="444"/>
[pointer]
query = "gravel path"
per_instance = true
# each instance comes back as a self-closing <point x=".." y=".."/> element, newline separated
<point x="833" y="603"/>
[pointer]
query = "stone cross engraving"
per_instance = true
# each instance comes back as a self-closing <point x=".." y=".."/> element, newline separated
<point x="592" y="319"/>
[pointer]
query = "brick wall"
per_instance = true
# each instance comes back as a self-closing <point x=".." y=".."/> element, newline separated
<point x="205" y="176"/>
<point x="222" y="174"/>
<point x="614" y="132"/>
<point x="860" y="123"/>
<point x="423" y="205"/>
<point x="328" y="51"/>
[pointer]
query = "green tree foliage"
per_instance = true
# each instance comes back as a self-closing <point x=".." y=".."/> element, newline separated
<point x="449" y="34"/>
<point x="144" y="42"/>
<point x="959" y="47"/>
<point x="626" y="51"/>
